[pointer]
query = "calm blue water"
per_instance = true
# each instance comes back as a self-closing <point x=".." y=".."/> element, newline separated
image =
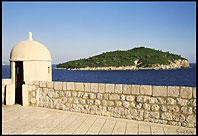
<point x="178" y="77"/>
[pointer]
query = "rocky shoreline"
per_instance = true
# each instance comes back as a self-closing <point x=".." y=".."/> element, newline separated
<point x="173" y="65"/>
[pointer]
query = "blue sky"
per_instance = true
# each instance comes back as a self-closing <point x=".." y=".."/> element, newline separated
<point x="74" y="30"/>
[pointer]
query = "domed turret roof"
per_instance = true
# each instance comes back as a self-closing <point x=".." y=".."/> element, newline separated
<point x="29" y="50"/>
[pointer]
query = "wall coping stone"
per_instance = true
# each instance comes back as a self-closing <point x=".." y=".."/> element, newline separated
<point x="6" y="81"/>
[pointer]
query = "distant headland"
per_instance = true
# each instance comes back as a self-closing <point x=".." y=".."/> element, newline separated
<point x="138" y="58"/>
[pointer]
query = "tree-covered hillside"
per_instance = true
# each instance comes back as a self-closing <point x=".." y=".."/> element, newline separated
<point x="146" y="58"/>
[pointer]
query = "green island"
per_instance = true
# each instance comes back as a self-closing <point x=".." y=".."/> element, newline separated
<point x="133" y="59"/>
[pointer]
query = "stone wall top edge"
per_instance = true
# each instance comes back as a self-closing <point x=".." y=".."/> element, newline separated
<point x="112" y="83"/>
<point x="6" y="81"/>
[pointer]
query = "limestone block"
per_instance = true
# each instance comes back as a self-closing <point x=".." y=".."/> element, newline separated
<point x="160" y="100"/>
<point x="87" y="87"/>
<point x="67" y="93"/>
<point x="173" y="91"/>
<point x="45" y="91"/>
<point x="178" y="117"/>
<point x="50" y="84"/>
<point x="101" y="88"/>
<point x="163" y="108"/>
<point x="133" y="104"/>
<point x="36" y="87"/>
<point x="126" y="104"/>
<point x="104" y="102"/>
<point x="181" y="102"/>
<point x="58" y="107"/>
<point x="70" y="86"/>
<point x="33" y="87"/>
<point x="82" y="101"/>
<point x="173" y="108"/>
<point x="194" y="92"/>
<point x="122" y="97"/>
<point x="116" y="109"/>
<point x="138" y="105"/>
<point x="110" y="103"/>
<point x="79" y="86"/>
<point x="191" y="121"/>
<point x="174" y="123"/>
<point x="94" y="87"/>
<point x="166" y="115"/>
<point x="61" y="93"/>
<point x="126" y="89"/>
<point x="135" y="89"/>
<point x="162" y="121"/>
<point x="140" y="114"/>
<point x="118" y="88"/>
<point x="110" y="109"/>
<point x="6" y="81"/>
<point x="151" y="100"/>
<point x="93" y="107"/>
<point x="29" y="87"/>
<point x="91" y="95"/>
<point x="70" y="100"/>
<point x="186" y="92"/>
<point x="170" y="101"/>
<point x="97" y="102"/>
<point x="99" y="96"/>
<point x="118" y="103"/>
<point x="36" y="83"/>
<point x="146" y="115"/>
<point x="155" y="107"/>
<point x="29" y="82"/>
<point x="33" y="93"/>
<point x="38" y="93"/>
<point x="64" y="107"/>
<point x="114" y="97"/>
<point x="110" y="88"/>
<point x="98" y="112"/>
<point x="186" y="110"/>
<point x="43" y="84"/>
<point x="192" y="102"/>
<point x="74" y="94"/>
<point x="142" y="98"/>
<point x="126" y="111"/>
<point x="80" y="94"/>
<point x="85" y="96"/>
<point x="130" y="98"/>
<point x="146" y="106"/>
<point x="160" y="91"/>
<point x="146" y="89"/>
<point x="64" y="100"/>
<point x="33" y="100"/>
<point x="75" y="100"/>
<point x="58" y="85"/>
<point x="106" y="96"/>
<point x="56" y="94"/>
<point x="155" y="115"/>
<point x="50" y="93"/>
<point x="64" y="86"/>
<point x="68" y="105"/>
<point x="134" y="113"/>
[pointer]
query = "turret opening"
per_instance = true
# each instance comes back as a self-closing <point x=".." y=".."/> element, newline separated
<point x="18" y="82"/>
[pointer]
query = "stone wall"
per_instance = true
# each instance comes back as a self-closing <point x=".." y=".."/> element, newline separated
<point x="5" y="84"/>
<point x="172" y="105"/>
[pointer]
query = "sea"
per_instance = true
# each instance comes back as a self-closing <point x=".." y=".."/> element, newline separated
<point x="176" y="77"/>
